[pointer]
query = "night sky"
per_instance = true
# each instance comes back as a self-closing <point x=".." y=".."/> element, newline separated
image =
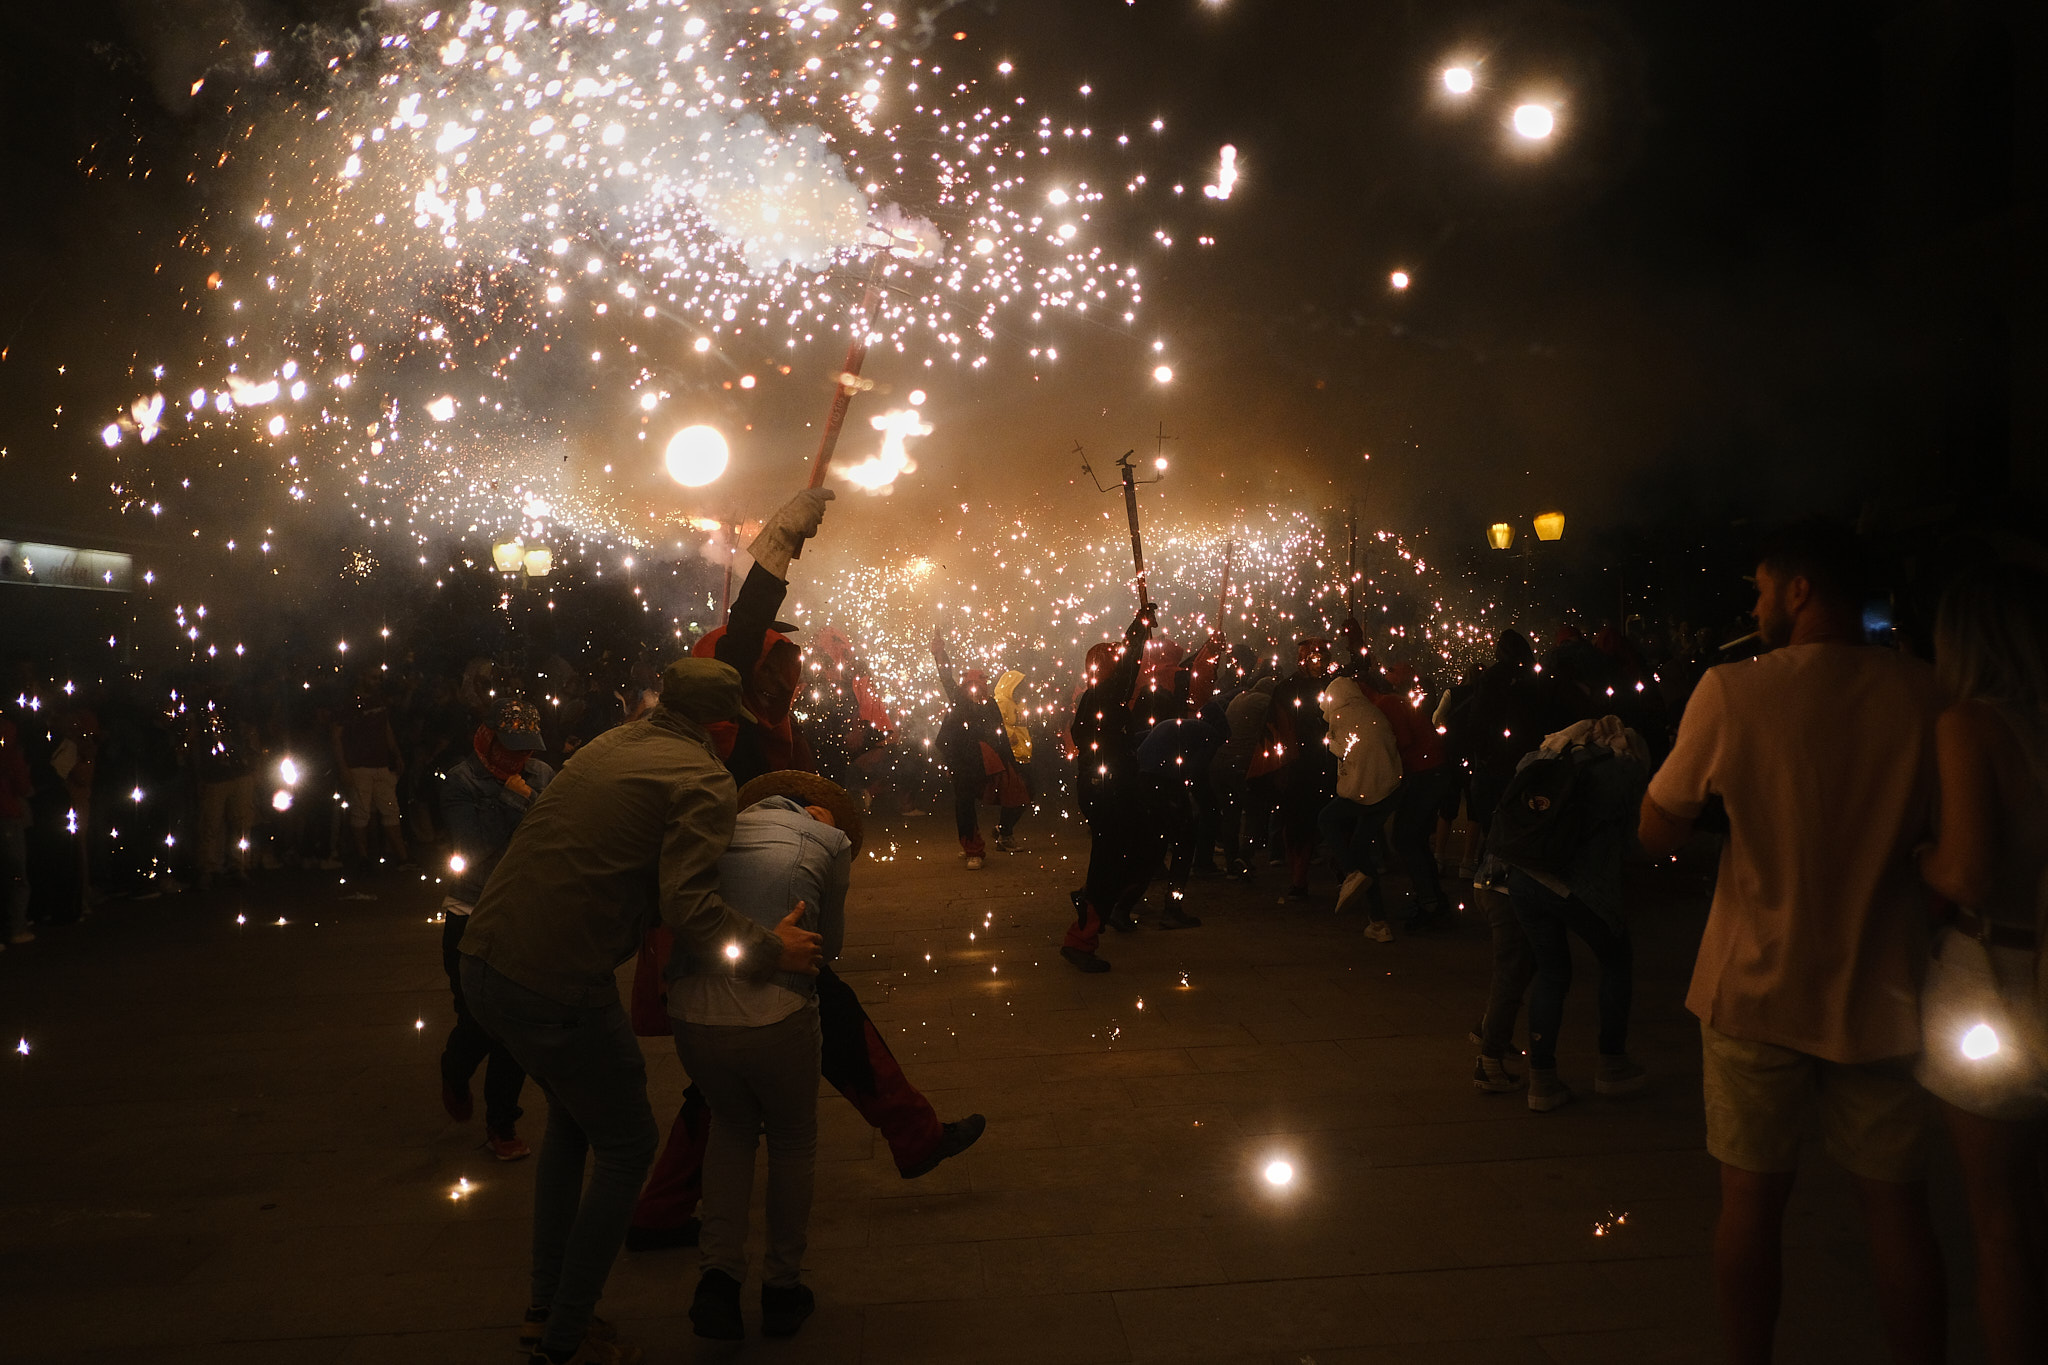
<point x="1769" y="263"/>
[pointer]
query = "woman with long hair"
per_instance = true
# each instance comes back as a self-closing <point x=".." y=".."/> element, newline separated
<point x="1985" y="1004"/>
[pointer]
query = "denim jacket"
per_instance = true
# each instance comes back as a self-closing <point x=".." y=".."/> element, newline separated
<point x="778" y="856"/>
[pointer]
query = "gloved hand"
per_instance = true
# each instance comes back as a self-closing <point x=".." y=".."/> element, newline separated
<point x="795" y="522"/>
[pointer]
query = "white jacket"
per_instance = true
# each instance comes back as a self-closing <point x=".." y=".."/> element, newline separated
<point x="1368" y="761"/>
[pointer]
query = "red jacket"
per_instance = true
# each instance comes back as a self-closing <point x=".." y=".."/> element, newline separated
<point x="1420" y="745"/>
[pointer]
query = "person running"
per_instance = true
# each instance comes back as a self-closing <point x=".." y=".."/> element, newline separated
<point x="1808" y="976"/>
<point x="1984" y="1006"/>
<point x="1123" y="839"/>
<point x="1016" y="726"/>
<point x="1368" y="784"/>
<point x="630" y="833"/>
<point x="484" y="796"/>
<point x="753" y="1047"/>
<point x="1428" y="783"/>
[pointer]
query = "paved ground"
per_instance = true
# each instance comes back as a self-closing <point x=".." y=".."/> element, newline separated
<point x="225" y="1146"/>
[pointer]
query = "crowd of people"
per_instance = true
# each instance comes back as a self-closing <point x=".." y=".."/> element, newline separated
<point x="1870" y="960"/>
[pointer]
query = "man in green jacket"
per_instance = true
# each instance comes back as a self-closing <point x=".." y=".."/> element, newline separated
<point x="627" y="836"/>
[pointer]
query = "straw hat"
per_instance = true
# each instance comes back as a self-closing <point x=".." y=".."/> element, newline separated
<point x="809" y="789"/>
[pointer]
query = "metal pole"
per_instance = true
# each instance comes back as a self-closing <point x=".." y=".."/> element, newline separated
<point x="1137" y="546"/>
<point x="732" y="544"/>
<point x="1351" y="578"/>
<point x="1223" y="595"/>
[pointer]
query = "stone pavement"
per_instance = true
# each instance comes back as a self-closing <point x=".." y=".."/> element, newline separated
<point x="225" y="1146"/>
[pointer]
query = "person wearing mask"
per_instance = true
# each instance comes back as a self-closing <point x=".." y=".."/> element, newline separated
<point x="1368" y="785"/>
<point x="627" y="836"/>
<point x="753" y="1047"/>
<point x="1123" y="840"/>
<point x="974" y="746"/>
<point x="1807" y="984"/>
<point x="1018" y="731"/>
<point x="483" y="798"/>
<point x="1984" y="1006"/>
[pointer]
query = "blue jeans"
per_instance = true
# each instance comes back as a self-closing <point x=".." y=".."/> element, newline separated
<point x="1352" y="833"/>
<point x="1545" y="916"/>
<point x="588" y="1064"/>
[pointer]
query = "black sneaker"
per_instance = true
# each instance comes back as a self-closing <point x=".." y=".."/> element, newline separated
<point x="954" y="1138"/>
<point x="784" y="1309"/>
<point x="1171" y="916"/>
<point x="662" y="1239"/>
<point x="1085" y="960"/>
<point x="715" y="1311"/>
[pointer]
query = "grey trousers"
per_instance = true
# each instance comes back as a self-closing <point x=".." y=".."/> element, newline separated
<point x="757" y="1079"/>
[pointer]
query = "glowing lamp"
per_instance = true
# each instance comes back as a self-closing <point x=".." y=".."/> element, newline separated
<point x="1980" y="1042"/>
<point x="1399" y="279"/>
<point x="539" y="561"/>
<point x="1550" y="526"/>
<point x="281" y="800"/>
<point x="1534" y="121"/>
<point x="1501" y="535"/>
<point x="732" y="952"/>
<point x="696" y="455"/>
<point x="457" y="863"/>
<point x="1279" y="1173"/>
<point x="1458" y="80"/>
<point x="508" y="556"/>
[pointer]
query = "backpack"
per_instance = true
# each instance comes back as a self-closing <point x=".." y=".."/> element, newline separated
<point x="1545" y="815"/>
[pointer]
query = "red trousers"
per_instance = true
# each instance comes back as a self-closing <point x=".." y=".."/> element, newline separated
<point x="873" y="1084"/>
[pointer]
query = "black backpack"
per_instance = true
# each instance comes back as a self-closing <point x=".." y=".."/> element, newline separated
<point x="1544" y="817"/>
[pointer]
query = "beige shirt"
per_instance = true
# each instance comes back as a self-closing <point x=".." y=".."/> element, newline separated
<point x="1824" y="757"/>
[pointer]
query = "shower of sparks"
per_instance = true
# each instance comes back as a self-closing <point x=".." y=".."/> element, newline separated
<point x="1033" y="588"/>
<point x="1606" y="1226"/>
<point x="423" y="224"/>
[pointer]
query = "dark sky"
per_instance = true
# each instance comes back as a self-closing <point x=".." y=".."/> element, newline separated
<point x="1765" y="266"/>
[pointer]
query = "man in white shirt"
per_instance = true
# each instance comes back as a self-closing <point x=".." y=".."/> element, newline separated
<point x="1807" y="982"/>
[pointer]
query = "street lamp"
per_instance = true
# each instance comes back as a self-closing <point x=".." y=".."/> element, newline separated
<point x="1501" y="535"/>
<point x="1399" y="279"/>
<point x="1550" y="526"/>
<point x="539" y="561"/>
<point x="1458" y="79"/>
<point x="508" y="556"/>
<point x="1534" y="122"/>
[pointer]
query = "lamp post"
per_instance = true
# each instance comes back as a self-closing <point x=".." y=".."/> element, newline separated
<point x="1501" y="535"/>
<point x="1550" y="526"/>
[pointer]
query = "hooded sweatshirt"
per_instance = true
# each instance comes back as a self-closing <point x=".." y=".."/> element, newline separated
<point x="1368" y="763"/>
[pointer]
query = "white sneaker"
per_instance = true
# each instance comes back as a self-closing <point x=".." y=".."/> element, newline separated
<point x="974" y="864"/>
<point x="1379" y="931"/>
<point x="1353" y="884"/>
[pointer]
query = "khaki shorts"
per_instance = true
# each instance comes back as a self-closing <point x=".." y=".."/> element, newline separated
<point x="1874" y="1116"/>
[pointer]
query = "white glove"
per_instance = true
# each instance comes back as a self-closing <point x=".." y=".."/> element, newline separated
<point x="784" y="534"/>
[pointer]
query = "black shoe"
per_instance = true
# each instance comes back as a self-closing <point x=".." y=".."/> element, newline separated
<point x="1171" y="916"/>
<point x="954" y="1138"/>
<point x="662" y="1239"/>
<point x="715" y="1311"/>
<point x="1085" y="960"/>
<point x="1121" y="921"/>
<point x="783" y="1310"/>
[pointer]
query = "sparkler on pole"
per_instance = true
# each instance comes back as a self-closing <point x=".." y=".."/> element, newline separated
<point x="850" y="381"/>
<point x="1351" y="572"/>
<point x="1129" y="484"/>
<point x="1223" y="594"/>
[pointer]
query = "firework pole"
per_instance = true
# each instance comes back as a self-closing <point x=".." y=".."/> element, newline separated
<point x="1223" y="594"/>
<point x="850" y="381"/>
<point x="1130" y="490"/>
<point x="1351" y="577"/>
